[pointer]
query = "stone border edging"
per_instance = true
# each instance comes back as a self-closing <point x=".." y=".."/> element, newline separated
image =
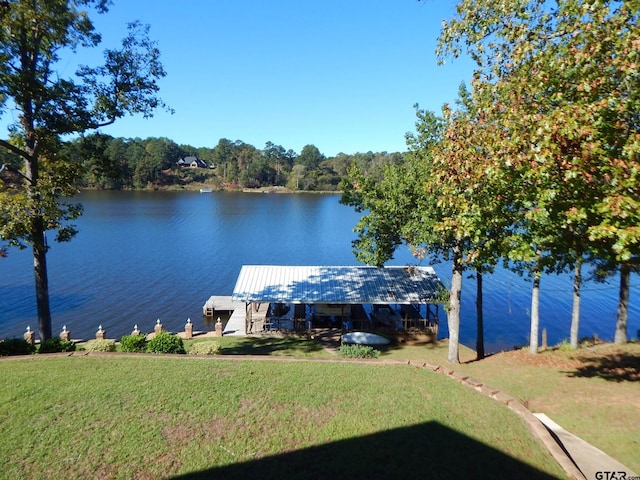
<point x="534" y="425"/>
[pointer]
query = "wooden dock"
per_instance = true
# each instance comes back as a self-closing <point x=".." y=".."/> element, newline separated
<point x="220" y="303"/>
<point x="237" y="324"/>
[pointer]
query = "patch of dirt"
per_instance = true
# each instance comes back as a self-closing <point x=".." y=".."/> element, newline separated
<point x="329" y="338"/>
<point x="542" y="359"/>
<point x="606" y="360"/>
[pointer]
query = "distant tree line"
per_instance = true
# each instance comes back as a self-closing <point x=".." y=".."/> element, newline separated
<point x="133" y="163"/>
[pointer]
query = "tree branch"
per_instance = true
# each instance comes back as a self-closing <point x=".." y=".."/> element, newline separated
<point x="9" y="168"/>
<point x="18" y="152"/>
<point x="103" y="124"/>
<point x="14" y="149"/>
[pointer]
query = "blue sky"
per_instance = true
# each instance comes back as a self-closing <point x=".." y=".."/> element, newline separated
<point x="342" y="75"/>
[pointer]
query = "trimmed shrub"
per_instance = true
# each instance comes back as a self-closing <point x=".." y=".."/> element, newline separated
<point x="15" y="346"/>
<point x="565" y="346"/>
<point x="56" y="345"/>
<point x="205" y="348"/>
<point x="358" y="351"/>
<point x="133" y="343"/>
<point x="165" y="343"/>
<point x="100" y="346"/>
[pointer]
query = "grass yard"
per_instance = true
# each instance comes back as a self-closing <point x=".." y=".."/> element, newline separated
<point x="281" y="346"/>
<point x="593" y="392"/>
<point x="147" y="417"/>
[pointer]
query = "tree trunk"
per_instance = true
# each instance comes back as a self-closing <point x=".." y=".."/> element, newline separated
<point x="575" y="313"/>
<point x="623" y="305"/>
<point x="42" y="284"/>
<point x="480" y="318"/>
<point x="453" y="317"/>
<point x="38" y="242"/>
<point x="535" y="312"/>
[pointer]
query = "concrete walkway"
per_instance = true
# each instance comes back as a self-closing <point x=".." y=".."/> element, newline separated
<point x="579" y="459"/>
<point x="591" y="461"/>
<point x="236" y="325"/>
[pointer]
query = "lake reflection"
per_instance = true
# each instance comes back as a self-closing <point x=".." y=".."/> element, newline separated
<point x="141" y="256"/>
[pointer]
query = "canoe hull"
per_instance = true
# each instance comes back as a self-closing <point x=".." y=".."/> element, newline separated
<point x="364" y="338"/>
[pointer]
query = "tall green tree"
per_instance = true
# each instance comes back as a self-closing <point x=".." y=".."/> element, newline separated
<point x="34" y="34"/>
<point x="564" y="89"/>
<point x="459" y="213"/>
<point x="100" y="169"/>
<point x="386" y="206"/>
<point x="310" y="157"/>
<point x="280" y="160"/>
<point x="436" y="201"/>
<point x="433" y="219"/>
<point x="253" y="168"/>
<point x="159" y="154"/>
<point x="225" y="156"/>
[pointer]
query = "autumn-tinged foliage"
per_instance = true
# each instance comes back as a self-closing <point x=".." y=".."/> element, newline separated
<point x="539" y="163"/>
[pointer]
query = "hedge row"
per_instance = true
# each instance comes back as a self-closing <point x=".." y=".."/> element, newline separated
<point x="161" y="343"/>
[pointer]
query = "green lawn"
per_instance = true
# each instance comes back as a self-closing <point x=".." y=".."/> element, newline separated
<point x="593" y="392"/>
<point x="268" y="345"/>
<point x="159" y="416"/>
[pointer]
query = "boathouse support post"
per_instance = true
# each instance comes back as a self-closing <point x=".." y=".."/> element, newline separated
<point x="248" y="323"/>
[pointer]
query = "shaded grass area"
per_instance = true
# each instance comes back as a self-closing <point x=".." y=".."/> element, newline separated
<point x="417" y="451"/>
<point x="164" y="417"/>
<point x="592" y="392"/>
<point x="287" y="346"/>
<point x="618" y="367"/>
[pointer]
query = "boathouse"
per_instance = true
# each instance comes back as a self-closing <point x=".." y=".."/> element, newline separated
<point x="297" y="298"/>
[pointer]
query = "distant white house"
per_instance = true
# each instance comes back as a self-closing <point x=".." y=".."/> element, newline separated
<point x="191" y="162"/>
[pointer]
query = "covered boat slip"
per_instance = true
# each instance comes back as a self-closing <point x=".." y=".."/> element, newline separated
<point x="388" y="299"/>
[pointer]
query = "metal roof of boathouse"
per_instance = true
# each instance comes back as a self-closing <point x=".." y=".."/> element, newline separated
<point x="336" y="284"/>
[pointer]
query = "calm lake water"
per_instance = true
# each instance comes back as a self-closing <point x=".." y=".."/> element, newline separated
<point x="141" y="256"/>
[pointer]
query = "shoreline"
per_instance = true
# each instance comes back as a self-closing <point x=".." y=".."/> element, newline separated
<point x="196" y="188"/>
